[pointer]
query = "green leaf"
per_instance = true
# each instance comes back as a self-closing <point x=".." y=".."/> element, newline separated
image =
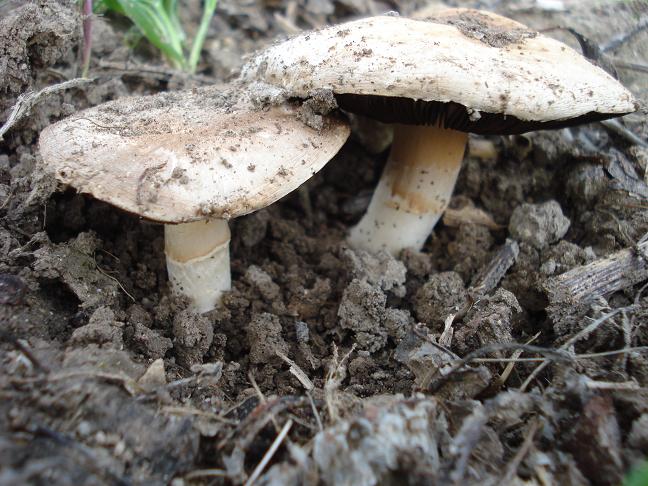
<point x="153" y="21"/>
<point x="199" y="40"/>
<point x="638" y="476"/>
<point x="108" y="5"/>
<point x="158" y="21"/>
<point x="171" y="8"/>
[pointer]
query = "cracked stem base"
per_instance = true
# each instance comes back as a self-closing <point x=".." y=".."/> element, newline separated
<point x="198" y="262"/>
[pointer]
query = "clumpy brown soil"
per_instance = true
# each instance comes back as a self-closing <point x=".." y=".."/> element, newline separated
<point x="369" y="369"/>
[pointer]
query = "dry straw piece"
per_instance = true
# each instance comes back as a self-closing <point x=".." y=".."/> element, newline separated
<point x="460" y="71"/>
<point x="192" y="160"/>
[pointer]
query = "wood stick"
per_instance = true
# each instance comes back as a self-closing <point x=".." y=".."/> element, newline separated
<point x="583" y="284"/>
<point x="28" y="100"/>
<point x="490" y="276"/>
<point x="633" y="66"/>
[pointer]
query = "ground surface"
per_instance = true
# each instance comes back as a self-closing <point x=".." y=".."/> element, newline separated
<point x="107" y="379"/>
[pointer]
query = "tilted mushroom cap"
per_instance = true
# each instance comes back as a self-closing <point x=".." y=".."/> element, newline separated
<point x="187" y="156"/>
<point x="467" y="69"/>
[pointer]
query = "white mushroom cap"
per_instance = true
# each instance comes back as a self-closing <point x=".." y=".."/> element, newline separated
<point x="483" y="62"/>
<point x="188" y="156"/>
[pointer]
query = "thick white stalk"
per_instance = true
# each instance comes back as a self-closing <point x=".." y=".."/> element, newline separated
<point x="198" y="262"/>
<point x="414" y="189"/>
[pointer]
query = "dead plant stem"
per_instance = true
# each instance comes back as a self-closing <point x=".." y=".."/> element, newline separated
<point x="269" y="453"/>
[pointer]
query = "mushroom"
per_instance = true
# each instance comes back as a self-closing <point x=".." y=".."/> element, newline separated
<point x="437" y="79"/>
<point x="191" y="160"/>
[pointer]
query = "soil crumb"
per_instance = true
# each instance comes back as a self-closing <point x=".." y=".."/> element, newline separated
<point x="193" y="335"/>
<point x="539" y="224"/>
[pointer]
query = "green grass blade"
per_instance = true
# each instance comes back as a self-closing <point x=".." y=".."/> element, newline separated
<point x="638" y="476"/>
<point x="158" y="21"/>
<point x="110" y="5"/>
<point x="171" y="8"/>
<point x="152" y="20"/>
<point x="199" y="39"/>
<point x="150" y="17"/>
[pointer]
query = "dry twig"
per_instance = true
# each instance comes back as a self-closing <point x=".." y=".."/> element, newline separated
<point x="582" y="284"/>
<point x="297" y="372"/>
<point x="619" y="40"/>
<point x="553" y="354"/>
<point x="586" y="331"/>
<point x="114" y="279"/>
<point x="26" y="101"/>
<point x="334" y="378"/>
<point x="488" y="278"/>
<point x="509" y="367"/>
<point x="633" y="66"/>
<point x="616" y="127"/>
<point x="574" y="357"/>
<point x="511" y="469"/>
<point x="200" y="413"/>
<point x="318" y="419"/>
<point x="24" y="349"/>
<point x="610" y="385"/>
<point x="469" y="215"/>
<point x="256" y="420"/>
<point x="153" y="72"/>
<point x="269" y="453"/>
<point x="126" y="382"/>
<point x="206" y="473"/>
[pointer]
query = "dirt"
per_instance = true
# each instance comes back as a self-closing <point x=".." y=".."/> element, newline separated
<point x="539" y="225"/>
<point x="482" y="28"/>
<point x="107" y="378"/>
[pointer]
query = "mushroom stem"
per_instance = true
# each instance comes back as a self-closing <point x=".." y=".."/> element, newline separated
<point x="198" y="263"/>
<point x="414" y="189"/>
